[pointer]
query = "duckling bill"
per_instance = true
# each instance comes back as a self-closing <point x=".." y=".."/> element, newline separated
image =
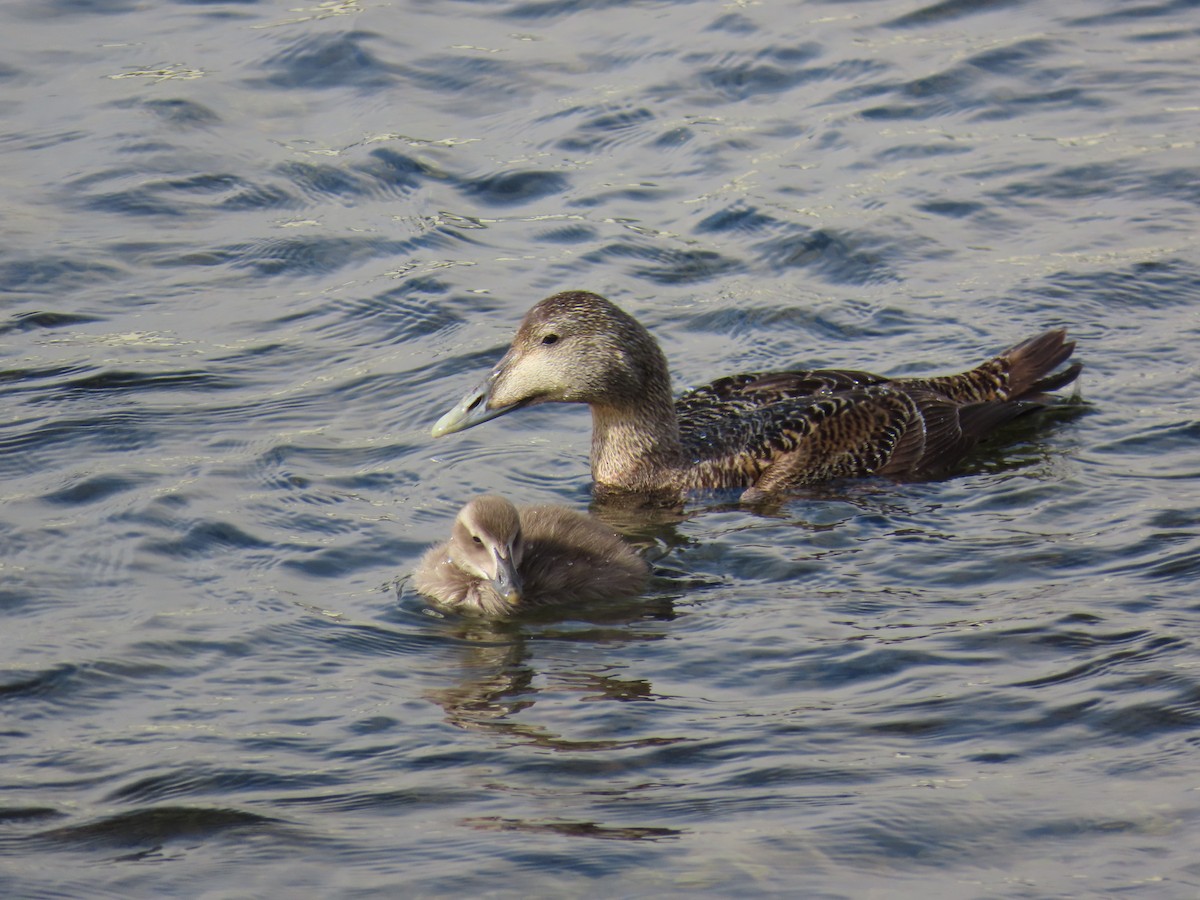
<point x="765" y="432"/>
<point x="501" y="558"/>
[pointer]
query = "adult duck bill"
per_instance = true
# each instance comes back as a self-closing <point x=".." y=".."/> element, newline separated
<point x="471" y="410"/>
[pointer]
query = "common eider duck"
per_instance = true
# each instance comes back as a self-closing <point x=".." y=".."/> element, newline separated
<point x="501" y="558"/>
<point x="766" y="433"/>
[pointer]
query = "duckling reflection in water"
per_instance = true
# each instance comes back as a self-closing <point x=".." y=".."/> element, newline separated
<point x="766" y="432"/>
<point x="501" y="558"/>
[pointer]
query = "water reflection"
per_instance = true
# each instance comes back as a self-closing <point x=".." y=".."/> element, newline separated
<point x="499" y="678"/>
<point x="574" y="829"/>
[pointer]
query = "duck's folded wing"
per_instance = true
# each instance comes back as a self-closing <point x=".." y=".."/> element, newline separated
<point x="796" y="440"/>
<point x="876" y="430"/>
<point x="755" y="389"/>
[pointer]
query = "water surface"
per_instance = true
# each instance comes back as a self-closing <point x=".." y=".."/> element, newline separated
<point x="252" y="251"/>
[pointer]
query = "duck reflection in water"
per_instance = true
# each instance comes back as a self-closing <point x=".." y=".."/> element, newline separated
<point x="500" y="680"/>
<point x="502" y="558"/>
<point x="498" y="677"/>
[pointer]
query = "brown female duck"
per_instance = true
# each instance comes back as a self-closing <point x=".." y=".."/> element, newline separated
<point x="764" y="432"/>
<point x="501" y="558"/>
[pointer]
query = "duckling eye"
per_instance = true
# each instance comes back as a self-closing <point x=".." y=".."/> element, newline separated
<point x="477" y="539"/>
<point x="550" y="339"/>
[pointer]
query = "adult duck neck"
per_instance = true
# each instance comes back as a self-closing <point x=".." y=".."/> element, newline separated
<point x="636" y="446"/>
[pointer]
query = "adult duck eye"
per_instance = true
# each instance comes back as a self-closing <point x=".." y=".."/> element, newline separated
<point x="550" y="339"/>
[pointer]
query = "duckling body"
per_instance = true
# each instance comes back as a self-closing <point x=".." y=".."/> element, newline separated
<point x="767" y="432"/>
<point x="501" y="558"/>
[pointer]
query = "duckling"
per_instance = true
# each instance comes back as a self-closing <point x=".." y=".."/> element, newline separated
<point x="766" y="433"/>
<point x="501" y="558"/>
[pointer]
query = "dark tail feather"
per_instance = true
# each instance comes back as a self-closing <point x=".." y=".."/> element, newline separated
<point x="1030" y="361"/>
<point x="1055" y="381"/>
<point x="979" y="419"/>
<point x="952" y="431"/>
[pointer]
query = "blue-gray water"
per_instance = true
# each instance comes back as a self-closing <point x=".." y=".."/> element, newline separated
<point x="251" y="251"/>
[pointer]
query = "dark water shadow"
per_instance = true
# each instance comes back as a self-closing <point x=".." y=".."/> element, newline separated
<point x="147" y="831"/>
<point x="573" y="829"/>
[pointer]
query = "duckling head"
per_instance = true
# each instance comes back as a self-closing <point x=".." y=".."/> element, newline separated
<point x="486" y="542"/>
<point x="574" y="347"/>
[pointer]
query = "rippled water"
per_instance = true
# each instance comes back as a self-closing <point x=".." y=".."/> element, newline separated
<point x="252" y="251"/>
